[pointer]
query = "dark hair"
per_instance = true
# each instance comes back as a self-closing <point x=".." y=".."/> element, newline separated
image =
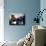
<point x="12" y="15"/>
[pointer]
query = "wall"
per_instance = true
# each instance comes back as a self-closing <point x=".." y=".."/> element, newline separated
<point x="1" y="21"/>
<point x="43" y="6"/>
<point x="29" y="8"/>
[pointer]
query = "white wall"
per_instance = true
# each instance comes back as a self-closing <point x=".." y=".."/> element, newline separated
<point x="1" y="21"/>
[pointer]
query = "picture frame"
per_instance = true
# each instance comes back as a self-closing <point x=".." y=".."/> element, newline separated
<point x="17" y="19"/>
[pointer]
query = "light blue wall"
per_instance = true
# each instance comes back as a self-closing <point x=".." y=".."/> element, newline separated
<point x="29" y="8"/>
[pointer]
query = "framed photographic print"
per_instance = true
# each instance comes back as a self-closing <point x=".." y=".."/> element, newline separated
<point x="17" y="19"/>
